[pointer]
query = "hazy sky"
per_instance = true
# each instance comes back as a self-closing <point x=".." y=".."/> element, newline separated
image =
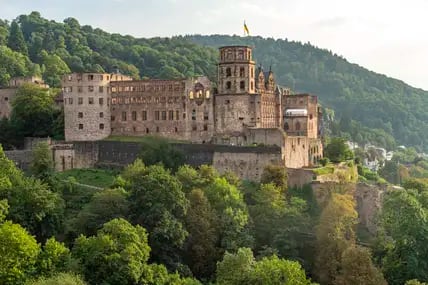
<point x="386" y="36"/>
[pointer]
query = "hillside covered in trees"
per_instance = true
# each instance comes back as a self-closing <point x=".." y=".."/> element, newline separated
<point x="369" y="107"/>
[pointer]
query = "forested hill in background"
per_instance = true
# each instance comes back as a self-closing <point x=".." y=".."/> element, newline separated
<point x="372" y="99"/>
<point x="369" y="107"/>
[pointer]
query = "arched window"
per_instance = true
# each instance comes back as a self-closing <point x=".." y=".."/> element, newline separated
<point x="298" y="126"/>
<point x="191" y="95"/>
<point x="286" y="126"/>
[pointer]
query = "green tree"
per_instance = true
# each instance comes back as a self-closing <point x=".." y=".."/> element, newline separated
<point x="335" y="233"/>
<point x="158" y="203"/>
<point x="54" y="68"/>
<point x="4" y="210"/>
<point x="235" y="269"/>
<point x="42" y="165"/>
<point x="201" y="251"/>
<point x="415" y="282"/>
<point x="404" y="222"/>
<point x="34" y="206"/>
<point x="158" y="150"/>
<point x="267" y="214"/>
<point x="54" y="258"/>
<point x="116" y="255"/>
<point x="275" y="174"/>
<point x="337" y="150"/>
<point x="60" y="278"/>
<point x="242" y="268"/>
<point x="16" y="39"/>
<point x="18" y="254"/>
<point x="103" y="207"/>
<point x="232" y="213"/>
<point x="357" y="268"/>
<point x="33" y="111"/>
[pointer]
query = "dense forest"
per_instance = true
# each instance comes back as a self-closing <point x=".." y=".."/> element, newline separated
<point x="179" y="225"/>
<point x="368" y="107"/>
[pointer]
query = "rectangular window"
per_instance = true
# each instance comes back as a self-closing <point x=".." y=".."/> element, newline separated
<point x="177" y="115"/>
<point x="123" y="116"/>
<point x="144" y="115"/>
<point x="205" y="127"/>
<point x="101" y="101"/>
<point x="80" y="100"/>
<point x="80" y="126"/>
<point x="80" y="89"/>
<point x="101" y="88"/>
<point x="242" y="85"/>
<point x="171" y="115"/>
<point x="91" y="88"/>
<point x="90" y="77"/>
<point x="157" y="115"/>
<point x="101" y="115"/>
<point x="80" y="115"/>
<point x="101" y="126"/>
<point x="101" y="77"/>
<point x="242" y="72"/>
<point x="91" y="100"/>
<point x="70" y="101"/>
<point x="163" y="115"/>
<point x="194" y="128"/>
<point x="205" y="116"/>
<point x="113" y="118"/>
<point x="134" y="115"/>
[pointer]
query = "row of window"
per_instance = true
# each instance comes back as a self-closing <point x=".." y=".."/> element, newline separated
<point x="144" y="100"/>
<point x="91" y="101"/>
<point x="148" y="88"/>
<point x="69" y="89"/>
<point x="241" y="85"/>
<point x="90" y="77"/>
<point x="101" y="126"/>
<point x="159" y="115"/>
<point x="229" y="54"/>
<point x="194" y="128"/>
<point x="228" y="71"/>
<point x="80" y="115"/>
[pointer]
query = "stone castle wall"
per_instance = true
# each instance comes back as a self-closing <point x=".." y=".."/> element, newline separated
<point x="246" y="162"/>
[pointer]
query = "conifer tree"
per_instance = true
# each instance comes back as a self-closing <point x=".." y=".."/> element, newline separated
<point x="16" y="39"/>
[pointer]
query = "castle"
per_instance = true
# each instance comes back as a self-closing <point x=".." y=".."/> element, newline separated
<point x="246" y="108"/>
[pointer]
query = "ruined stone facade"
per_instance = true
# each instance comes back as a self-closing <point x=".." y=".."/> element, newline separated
<point x="177" y="109"/>
<point x="246" y="108"/>
<point x="8" y="93"/>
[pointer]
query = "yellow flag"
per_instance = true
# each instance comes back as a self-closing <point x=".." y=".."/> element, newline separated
<point x="246" y="31"/>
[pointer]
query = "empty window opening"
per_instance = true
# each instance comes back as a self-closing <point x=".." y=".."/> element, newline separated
<point x="242" y="85"/>
<point x="228" y="85"/>
<point x="242" y="72"/>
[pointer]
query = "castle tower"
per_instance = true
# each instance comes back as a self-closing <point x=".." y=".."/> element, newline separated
<point x="235" y="103"/>
<point x="86" y="106"/>
<point x="236" y="70"/>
